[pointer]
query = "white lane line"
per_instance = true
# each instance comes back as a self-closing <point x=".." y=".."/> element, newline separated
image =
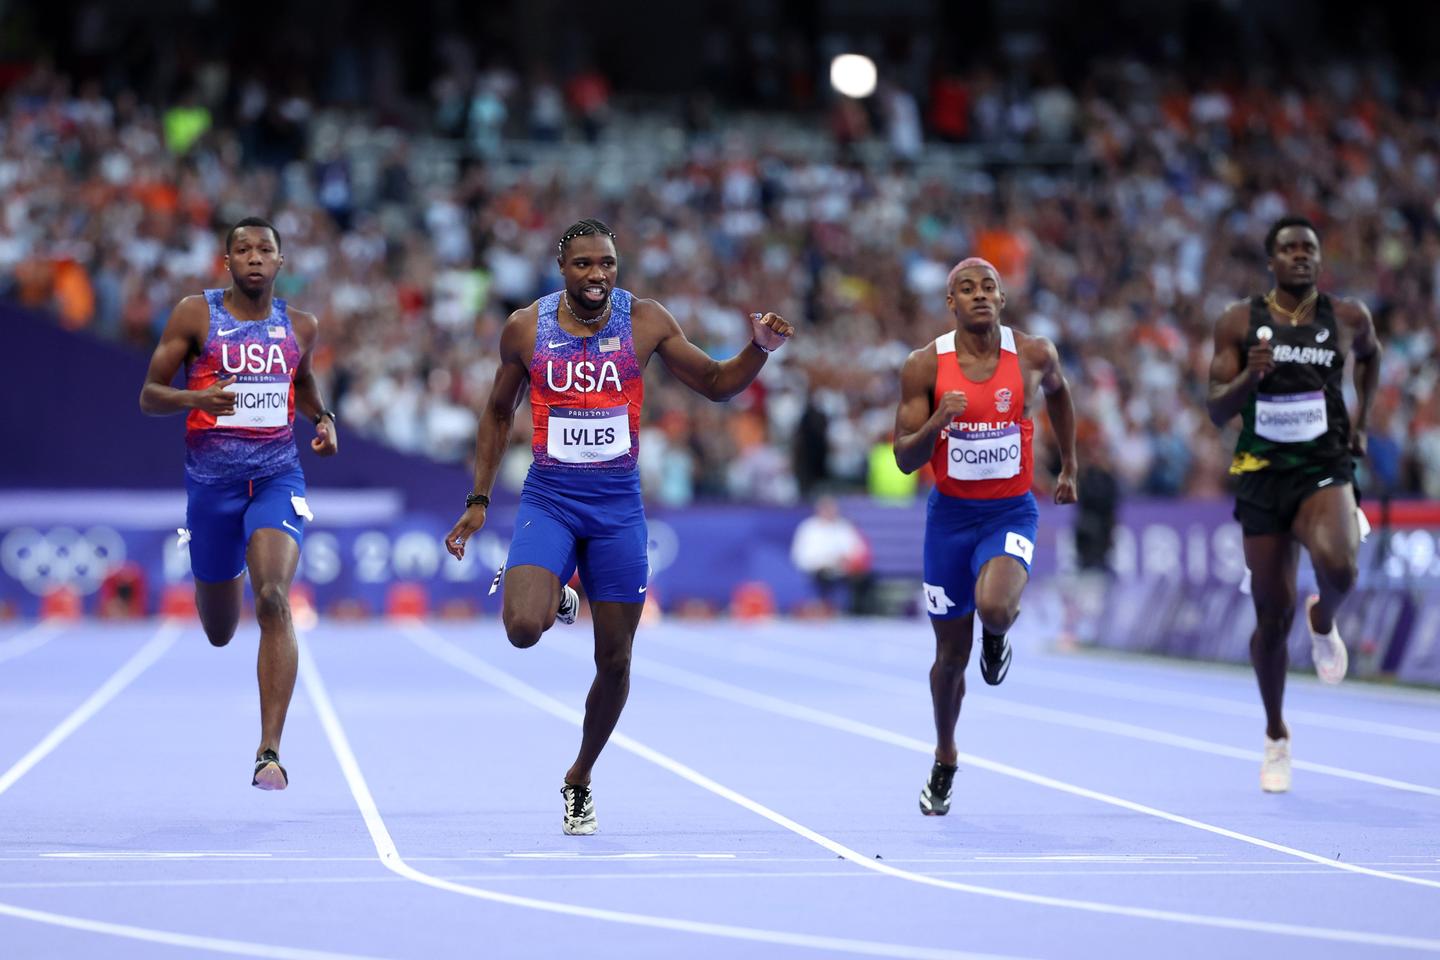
<point x="747" y="653"/>
<point x="906" y="654"/>
<point x="389" y="855"/>
<point x="839" y="873"/>
<point x="1171" y="698"/>
<point x="431" y="641"/>
<point x="28" y="640"/>
<point x="169" y="939"/>
<point x="727" y="691"/>
<point x="141" y="661"/>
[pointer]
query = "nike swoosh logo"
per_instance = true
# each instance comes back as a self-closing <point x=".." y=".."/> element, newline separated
<point x="642" y="589"/>
<point x="553" y="346"/>
<point x="225" y="333"/>
<point x="286" y="523"/>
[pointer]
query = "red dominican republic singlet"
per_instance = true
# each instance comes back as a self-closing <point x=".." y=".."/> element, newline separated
<point x="586" y="392"/>
<point x="986" y="455"/>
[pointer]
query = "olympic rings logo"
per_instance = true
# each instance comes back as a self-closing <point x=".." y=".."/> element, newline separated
<point x="61" y="556"/>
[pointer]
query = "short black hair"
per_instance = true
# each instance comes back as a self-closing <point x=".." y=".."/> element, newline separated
<point x="1281" y="224"/>
<point x="588" y="227"/>
<point x="251" y="222"/>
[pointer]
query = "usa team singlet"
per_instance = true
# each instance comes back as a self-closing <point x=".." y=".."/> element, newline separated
<point x="242" y="472"/>
<point x="581" y="506"/>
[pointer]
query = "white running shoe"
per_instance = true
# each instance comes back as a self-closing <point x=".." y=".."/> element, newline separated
<point x="1326" y="649"/>
<point x="1275" y="771"/>
<point x="569" y="605"/>
<point x="579" y="810"/>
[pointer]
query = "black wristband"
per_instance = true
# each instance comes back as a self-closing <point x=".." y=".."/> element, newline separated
<point x="327" y="412"/>
<point x="477" y="499"/>
<point x="757" y="346"/>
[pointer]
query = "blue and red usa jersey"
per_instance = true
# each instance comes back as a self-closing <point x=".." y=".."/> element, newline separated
<point x="586" y="392"/>
<point x="258" y="439"/>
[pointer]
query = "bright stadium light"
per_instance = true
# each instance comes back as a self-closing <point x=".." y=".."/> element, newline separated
<point x="853" y="74"/>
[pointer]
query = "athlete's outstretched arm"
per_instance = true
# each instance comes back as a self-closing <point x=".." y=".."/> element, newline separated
<point x="1061" y="407"/>
<point x="1230" y="383"/>
<point x="716" y="379"/>
<point x="492" y="435"/>
<point x="185" y="334"/>
<point x="1366" y="347"/>
<point x="917" y="427"/>
<point x="307" y="390"/>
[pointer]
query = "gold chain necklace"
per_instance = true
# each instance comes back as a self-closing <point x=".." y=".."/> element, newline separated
<point x="1301" y="311"/>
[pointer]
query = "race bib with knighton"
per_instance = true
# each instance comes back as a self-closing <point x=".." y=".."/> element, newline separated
<point x="588" y="436"/>
<point x="984" y="454"/>
<point x="258" y="405"/>
<point x="1290" y="417"/>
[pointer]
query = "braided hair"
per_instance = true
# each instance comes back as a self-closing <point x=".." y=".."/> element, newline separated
<point x="588" y="227"/>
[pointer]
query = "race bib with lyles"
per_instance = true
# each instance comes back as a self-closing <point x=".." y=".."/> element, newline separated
<point x="1290" y="417"/>
<point x="588" y="436"/>
<point x="984" y="454"/>
<point x="258" y="405"/>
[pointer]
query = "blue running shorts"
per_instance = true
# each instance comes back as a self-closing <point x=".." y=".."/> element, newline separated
<point x="591" y="521"/>
<point x="223" y="516"/>
<point x="961" y="536"/>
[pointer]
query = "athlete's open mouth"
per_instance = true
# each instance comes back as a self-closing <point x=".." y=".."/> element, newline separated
<point x="594" y="292"/>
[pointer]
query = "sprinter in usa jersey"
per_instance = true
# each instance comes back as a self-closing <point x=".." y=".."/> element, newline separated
<point x="966" y="406"/>
<point x="247" y="359"/>
<point x="579" y="354"/>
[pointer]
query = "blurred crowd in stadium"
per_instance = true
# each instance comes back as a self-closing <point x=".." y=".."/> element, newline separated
<point x="1124" y="211"/>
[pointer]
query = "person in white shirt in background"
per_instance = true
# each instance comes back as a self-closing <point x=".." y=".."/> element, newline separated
<point x="832" y="551"/>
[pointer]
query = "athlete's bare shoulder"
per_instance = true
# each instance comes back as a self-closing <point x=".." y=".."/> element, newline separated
<point x="306" y="326"/>
<point x="517" y="337"/>
<point x="1352" y="312"/>
<point x="1032" y="348"/>
<point x="921" y="364"/>
<point x="1236" y="314"/>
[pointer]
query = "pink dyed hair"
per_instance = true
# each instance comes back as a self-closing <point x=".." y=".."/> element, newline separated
<point x="965" y="265"/>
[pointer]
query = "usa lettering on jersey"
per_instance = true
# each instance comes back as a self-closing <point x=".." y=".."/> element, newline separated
<point x="253" y="358"/>
<point x="583" y="376"/>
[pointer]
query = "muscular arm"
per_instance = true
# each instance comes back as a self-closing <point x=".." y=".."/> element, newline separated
<point x="492" y="435"/>
<point x="308" y="402"/>
<point x="1366" y="347"/>
<point x="185" y="331"/>
<point x="1058" y="402"/>
<point x="917" y="427"/>
<point x="1232" y="380"/>
<point x="712" y="379"/>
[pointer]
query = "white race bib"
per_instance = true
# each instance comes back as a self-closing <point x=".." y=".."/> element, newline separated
<point x="1290" y="417"/>
<point x="984" y="454"/>
<point x="588" y="436"/>
<point x="258" y="405"/>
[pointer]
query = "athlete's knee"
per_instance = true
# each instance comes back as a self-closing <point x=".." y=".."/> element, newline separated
<point x="997" y="615"/>
<point x="614" y="667"/>
<point x="1274" y="621"/>
<point x="1339" y="572"/>
<point x="523" y="629"/>
<point x="219" y="635"/>
<point x="272" y="604"/>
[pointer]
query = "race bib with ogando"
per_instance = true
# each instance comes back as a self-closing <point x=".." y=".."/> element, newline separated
<point x="1290" y="417"/>
<point x="588" y="436"/>
<point x="984" y="454"/>
<point x="258" y="405"/>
